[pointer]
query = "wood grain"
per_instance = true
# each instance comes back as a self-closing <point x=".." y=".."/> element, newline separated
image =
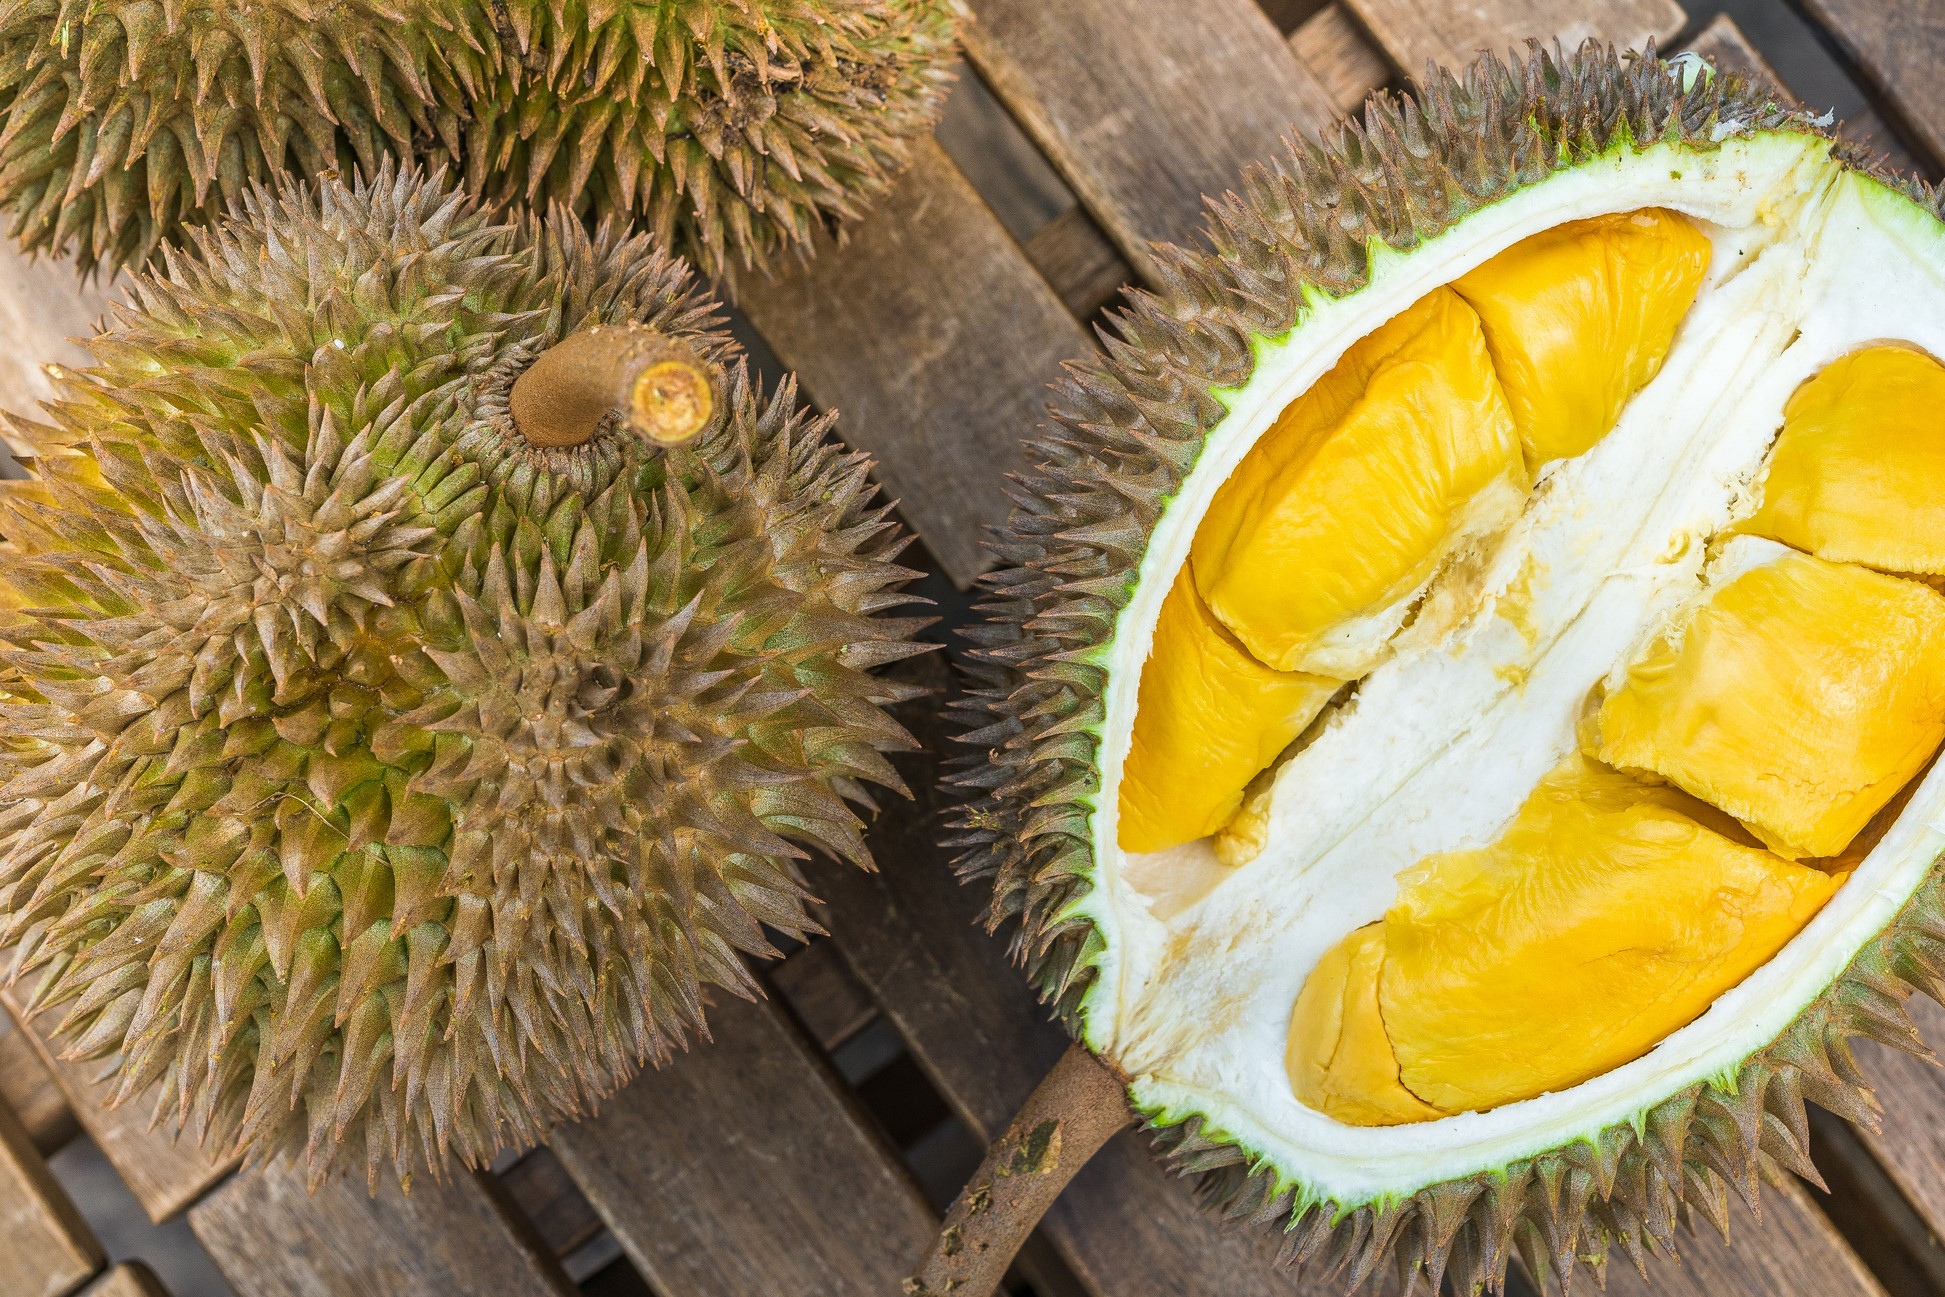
<point x="27" y="1087"/>
<point x="1413" y="33"/>
<point x="1078" y="261"/>
<point x="1911" y="1147"/>
<point x="933" y="337"/>
<point x="129" y="1279"/>
<point x="43" y="304"/>
<point x="1896" y="48"/>
<point x="46" y="1249"/>
<point x="1765" y="1258"/>
<point x="272" y="1239"/>
<point x="1723" y="43"/>
<point x="822" y="993"/>
<point x="1184" y="96"/>
<point x="542" y="1191"/>
<point x="743" y="1168"/>
<point x="912" y="935"/>
<point x="1340" y="55"/>
<point x="164" y="1175"/>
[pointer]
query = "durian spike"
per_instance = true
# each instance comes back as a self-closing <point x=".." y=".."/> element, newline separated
<point x="652" y="383"/>
<point x="1078" y="1107"/>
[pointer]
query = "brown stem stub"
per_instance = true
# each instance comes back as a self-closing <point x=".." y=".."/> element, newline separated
<point x="1070" y="1115"/>
<point x="625" y="374"/>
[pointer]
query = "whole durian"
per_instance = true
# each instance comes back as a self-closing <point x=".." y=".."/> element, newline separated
<point x="1459" y="705"/>
<point x="427" y="657"/>
<point x="730" y="128"/>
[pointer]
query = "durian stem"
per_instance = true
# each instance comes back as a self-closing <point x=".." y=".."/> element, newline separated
<point x="1068" y="1117"/>
<point x="646" y="380"/>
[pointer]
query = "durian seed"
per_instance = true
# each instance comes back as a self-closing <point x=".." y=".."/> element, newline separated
<point x="651" y="383"/>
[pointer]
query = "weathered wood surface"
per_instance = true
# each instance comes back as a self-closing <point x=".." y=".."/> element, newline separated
<point x="46" y="1249"/>
<point x="547" y="1197"/>
<point x="27" y="1087"/>
<point x="1076" y="259"/>
<point x="1895" y="47"/>
<point x="164" y="1174"/>
<point x="1145" y="105"/>
<point x="932" y="336"/>
<point x="742" y="1168"/>
<point x="823" y="995"/>
<point x="911" y="935"/>
<point x="271" y="1238"/>
<point x="1911" y="1146"/>
<point x="1413" y="33"/>
<point x="1754" y="1261"/>
<point x="129" y="1279"/>
<point x="1340" y="56"/>
<point x="1724" y="44"/>
<point x="43" y="304"/>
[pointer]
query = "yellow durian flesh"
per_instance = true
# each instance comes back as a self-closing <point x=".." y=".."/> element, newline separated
<point x="1798" y="697"/>
<point x="1858" y="473"/>
<point x="1579" y="317"/>
<point x="1340" y="1057"/>
<point x="1351" y="499"/>
<point x="1604" y="919"/>
<point x="1209" y="716"/>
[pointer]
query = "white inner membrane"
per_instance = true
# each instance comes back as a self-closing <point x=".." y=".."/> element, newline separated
<point x="1443" y="742"/>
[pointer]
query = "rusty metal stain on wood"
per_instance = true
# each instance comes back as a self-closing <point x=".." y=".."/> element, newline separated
<point x="46" y="1249"/>
<point x="743" y="1168"/>
<point x="271" y="1238"/>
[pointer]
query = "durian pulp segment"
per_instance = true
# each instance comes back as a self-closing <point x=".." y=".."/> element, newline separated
<point x="1444" y="742"/>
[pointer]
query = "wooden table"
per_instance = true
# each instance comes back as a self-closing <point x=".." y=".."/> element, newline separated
<point x="752" y="1166"/>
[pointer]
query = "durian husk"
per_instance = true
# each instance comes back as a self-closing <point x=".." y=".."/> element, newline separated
<point x="730" y="128"/>
<point x="372" y="780"/>
<point x="1130" y="428"/>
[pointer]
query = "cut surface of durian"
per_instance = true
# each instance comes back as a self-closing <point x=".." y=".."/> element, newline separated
<point x="1438" y="747"/>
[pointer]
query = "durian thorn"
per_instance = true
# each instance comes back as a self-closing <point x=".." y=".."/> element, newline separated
<point x="1076" y="1109"/>
<point x="625" y="374"/>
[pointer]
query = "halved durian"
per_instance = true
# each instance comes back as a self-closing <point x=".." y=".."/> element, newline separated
<point x="1651" y="419"/>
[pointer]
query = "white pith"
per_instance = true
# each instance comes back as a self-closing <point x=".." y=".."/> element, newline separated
<point x="1444" y="741"/>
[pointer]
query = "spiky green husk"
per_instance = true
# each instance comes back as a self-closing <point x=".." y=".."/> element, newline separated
<point x="371" y="775"/>
<point x="1132" y="425"/>
<point x="731" y="128"/>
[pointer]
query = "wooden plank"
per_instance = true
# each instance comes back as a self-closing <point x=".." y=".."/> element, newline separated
<point x="129" y="1279"/>
<point x="1760" y="1258"/>
<point x="46" y="1249"/>
<point x="43" y="303"/>
<point x="1416" y="32"/>
<point x="1911" y="1147"/>
<point x="543" y="1192"/>
<point x="911" y="934"/>
<point x="1723" y="43"/>
<point x="1185" y="94"/>
<point x="1340" y="56"/>
<point x="931" y="335"/>
<point x="822" y="993"/>
<point x="27" y="1087"/>
<point x="743" y="1168"/>
<point x="1077" y="260"/>
<point x="1896" y="48"/>
<point x="271" y="1238"/>
<point x="164" y="1175"/>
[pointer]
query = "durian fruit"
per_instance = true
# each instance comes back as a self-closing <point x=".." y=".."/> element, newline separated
<point x="427" y="659"/>
<point x="730" y="128"/>
<point x="1580" y="717"/>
